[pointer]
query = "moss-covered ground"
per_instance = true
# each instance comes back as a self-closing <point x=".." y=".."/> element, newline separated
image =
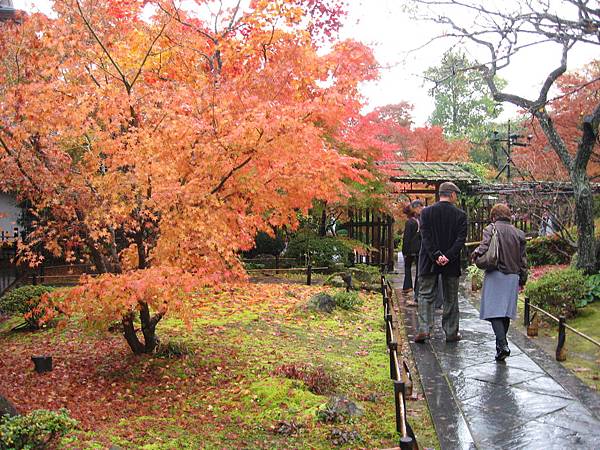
<point x="583" y="357"/>
<point x="223" y="391"/>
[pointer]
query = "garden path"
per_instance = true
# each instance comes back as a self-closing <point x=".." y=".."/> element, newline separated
<point x="528" y="402"/>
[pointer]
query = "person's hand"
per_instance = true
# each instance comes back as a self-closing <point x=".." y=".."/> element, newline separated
<point x="442" y="260"/>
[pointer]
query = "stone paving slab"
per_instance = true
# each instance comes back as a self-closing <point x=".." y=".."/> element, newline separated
<point x="528" y="402"/>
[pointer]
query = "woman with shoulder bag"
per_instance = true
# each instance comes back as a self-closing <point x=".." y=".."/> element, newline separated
<point x="501" y="283"/>
<point x="411" y="245"/>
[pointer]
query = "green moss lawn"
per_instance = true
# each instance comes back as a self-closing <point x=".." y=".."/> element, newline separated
<point x="222" y="382"/>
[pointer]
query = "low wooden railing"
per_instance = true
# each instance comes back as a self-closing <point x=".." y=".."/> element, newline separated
<point x="528" y="320"/>
<point x="399" y="371"/>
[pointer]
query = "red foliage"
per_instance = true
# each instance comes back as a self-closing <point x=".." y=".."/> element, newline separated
<point x="538" y="271"/>
<point x="578" y="96"/>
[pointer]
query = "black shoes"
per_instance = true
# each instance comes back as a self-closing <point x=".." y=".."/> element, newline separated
<point x="502" y="352"/>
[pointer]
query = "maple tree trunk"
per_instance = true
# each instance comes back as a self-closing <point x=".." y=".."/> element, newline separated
<point x="130" y="336"/>
<point x="323" y="224"/>
<point x="148" y="330"/>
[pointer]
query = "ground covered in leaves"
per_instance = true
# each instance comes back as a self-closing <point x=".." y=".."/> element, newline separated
<point x="255" y="370"/>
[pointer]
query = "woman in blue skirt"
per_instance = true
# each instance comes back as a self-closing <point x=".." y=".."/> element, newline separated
<point x="501" y="285"/>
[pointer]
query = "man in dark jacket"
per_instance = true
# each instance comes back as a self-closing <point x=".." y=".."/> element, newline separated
<point x="443" y="235"/>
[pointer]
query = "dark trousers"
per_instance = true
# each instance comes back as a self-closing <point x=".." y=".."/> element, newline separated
<point x="408" y="278"/>
<point x="500" y="326"/>
<point x="428" y="294"/>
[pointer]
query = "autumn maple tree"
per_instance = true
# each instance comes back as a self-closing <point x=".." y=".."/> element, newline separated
<point x="577" y="92"/>
<point x="157" y="142"/>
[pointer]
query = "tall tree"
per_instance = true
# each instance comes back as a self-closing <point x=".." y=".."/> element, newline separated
<point x="502" y="30"/>
<point x="463" y="105"/>
<point x="159" y="147"/>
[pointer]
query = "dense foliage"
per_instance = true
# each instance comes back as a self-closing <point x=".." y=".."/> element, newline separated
<point x="265" y="244"/>
<point x="156" y="146"/>
<point x="25" y="300"/>
<point x="549" y="250"/>
<point x="34" y="431"/>
<point x="559" y="292"/>
<point x="324" y="251"/>
<point x="348" y="300"/>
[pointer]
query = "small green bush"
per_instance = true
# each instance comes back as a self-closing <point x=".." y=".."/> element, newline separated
<point x="559" y="292"/>
<point x="36" y="430"/>
<point x="546" y="250"/>
<point x="324" y="251"/>
<point x="25" y="300"/>
<point x="348" y="300"/>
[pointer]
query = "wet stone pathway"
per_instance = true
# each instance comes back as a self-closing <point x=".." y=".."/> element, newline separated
<point x="528" y="402"/>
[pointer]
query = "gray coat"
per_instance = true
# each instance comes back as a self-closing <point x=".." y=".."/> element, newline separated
<point x="512" y="257"/>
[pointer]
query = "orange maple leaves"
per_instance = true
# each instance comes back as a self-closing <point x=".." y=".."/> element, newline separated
<point x="165" y="143"/>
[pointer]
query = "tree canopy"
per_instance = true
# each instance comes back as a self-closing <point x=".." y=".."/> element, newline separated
<point x="158" y="143"/>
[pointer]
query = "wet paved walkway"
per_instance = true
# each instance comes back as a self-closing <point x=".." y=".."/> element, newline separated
<point x="528" y="402"/>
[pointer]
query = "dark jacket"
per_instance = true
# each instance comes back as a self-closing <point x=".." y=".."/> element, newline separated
<point x="411" y="241"/>
<point x="443" y="232"/>
<point x="512" y="257"/>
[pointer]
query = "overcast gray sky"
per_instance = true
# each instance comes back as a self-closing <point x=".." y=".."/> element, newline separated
<point x="383" y="25"/>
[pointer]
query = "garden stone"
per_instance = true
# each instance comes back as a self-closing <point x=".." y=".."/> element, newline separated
<point x="343" y="406"/>
<point x="6" y="407"/>
<point x="322" y="302"/>
<point x="335" y="280"/>
<point x="362" y="275"/>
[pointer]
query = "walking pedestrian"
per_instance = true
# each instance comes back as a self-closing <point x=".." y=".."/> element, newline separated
<point x="411" y="245"/>
<point x="443" y="235"/>
<point x="501" y="285"/>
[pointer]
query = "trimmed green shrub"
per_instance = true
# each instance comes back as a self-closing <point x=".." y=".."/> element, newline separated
<point x="324" y="251"/>
<point x="36" y="430"/>
<point x="348" y="300"/>
<point x="25" y="300"/>
<point x="546" y="250"/>
<point x="559" y="292"/>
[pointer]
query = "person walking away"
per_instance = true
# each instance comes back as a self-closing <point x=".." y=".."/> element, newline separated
<point x="501" y="285"/>
<point x="443" y="235"/>
<point x="411" y="245"/>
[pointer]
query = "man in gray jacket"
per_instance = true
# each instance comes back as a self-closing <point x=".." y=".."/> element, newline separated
<point x="443" y="235"/>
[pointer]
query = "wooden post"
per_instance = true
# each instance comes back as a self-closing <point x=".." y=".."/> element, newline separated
<point x="561" y="353"/>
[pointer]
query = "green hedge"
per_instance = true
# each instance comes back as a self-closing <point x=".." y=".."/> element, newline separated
<point x="36" y="430"/>
<point x="542" y="251"/>
<point x="23" y="300"/>
<point x="559" y="292"/>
